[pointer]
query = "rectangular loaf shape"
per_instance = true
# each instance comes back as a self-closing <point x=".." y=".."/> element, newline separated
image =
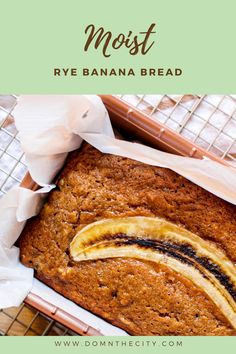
<point x="139" y="295"/>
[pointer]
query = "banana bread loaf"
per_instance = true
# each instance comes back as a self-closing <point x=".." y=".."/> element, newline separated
<point x="138" y="245"/>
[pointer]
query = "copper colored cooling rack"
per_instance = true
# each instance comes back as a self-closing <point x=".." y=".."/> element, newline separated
<point x="191" y="125"/>
<point x="27" y="321"/>
<point x="188" y="125"/>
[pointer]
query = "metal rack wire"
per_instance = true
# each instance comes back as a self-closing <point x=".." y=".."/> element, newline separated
<point x="26" y="321"/>
<point x="208" y="120"/>
<point x="12" y="164"/>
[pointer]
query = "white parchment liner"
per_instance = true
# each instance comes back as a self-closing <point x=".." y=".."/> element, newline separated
<point x="49" y="127"/>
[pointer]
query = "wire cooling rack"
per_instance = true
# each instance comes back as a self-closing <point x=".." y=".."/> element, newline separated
<point x="207" y="120"/>
<point x="12" y="164"/>
<point x="26" y="321"/>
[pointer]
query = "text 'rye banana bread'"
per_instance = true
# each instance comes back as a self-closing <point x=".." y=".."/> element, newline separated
<point x="138" y="245"/>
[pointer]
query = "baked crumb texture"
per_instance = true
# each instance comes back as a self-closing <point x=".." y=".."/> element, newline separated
<point x="141" y="297"/>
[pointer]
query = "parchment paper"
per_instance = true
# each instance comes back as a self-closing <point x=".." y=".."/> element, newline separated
<point x="50" y="127"/>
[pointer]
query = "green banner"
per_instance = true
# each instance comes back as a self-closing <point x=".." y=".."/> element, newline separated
<point x="118" y="47"/>
<point x="116" y="345"/>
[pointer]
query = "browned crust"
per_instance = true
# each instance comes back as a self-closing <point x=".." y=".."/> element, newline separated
<point x="144" y="298"/>
<point x="94" y="186"/>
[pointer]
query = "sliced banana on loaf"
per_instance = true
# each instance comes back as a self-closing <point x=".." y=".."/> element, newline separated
<point x="157" y="240"/>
